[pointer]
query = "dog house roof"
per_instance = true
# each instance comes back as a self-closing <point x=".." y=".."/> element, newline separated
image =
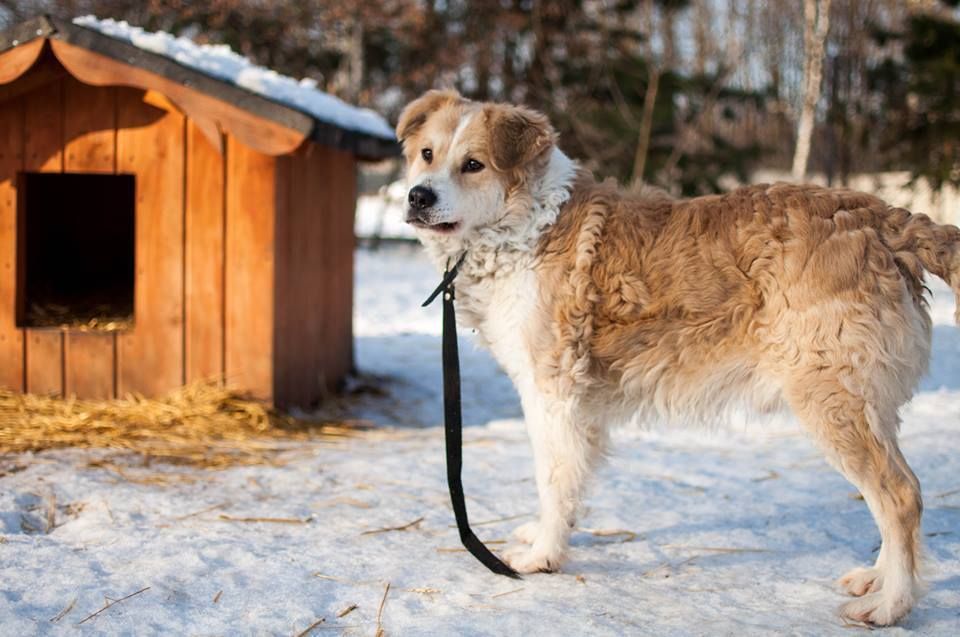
<point x="179" y="69"/>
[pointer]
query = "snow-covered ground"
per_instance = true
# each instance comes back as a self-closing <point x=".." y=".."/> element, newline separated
<point x="736" y="532"/>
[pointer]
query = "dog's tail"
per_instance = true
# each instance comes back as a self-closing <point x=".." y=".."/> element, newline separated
<point x="916" y="237"/>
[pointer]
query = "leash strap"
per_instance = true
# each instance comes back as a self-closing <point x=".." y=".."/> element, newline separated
<point x="453" y="425"/>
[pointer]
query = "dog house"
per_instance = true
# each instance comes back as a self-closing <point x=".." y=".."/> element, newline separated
<point x="160" y="223"/>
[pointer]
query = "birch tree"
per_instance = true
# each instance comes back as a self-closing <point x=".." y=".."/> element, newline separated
<point x="816" y="15"/>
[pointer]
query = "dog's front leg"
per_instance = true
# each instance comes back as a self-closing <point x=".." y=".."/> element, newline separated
<point x="564" y="453"/>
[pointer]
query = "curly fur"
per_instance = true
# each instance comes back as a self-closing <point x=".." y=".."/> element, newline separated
<point x="607" y="305"/>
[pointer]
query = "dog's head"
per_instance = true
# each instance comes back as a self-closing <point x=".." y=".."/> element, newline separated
<point x="466" y="159"/>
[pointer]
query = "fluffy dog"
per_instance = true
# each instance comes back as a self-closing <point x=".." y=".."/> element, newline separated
<point x="604" y="305"/>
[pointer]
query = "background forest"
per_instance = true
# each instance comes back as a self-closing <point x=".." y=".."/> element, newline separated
<point x="681" y="93"/>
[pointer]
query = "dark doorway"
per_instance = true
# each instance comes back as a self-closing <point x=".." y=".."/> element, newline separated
<point x="76" y="250"/>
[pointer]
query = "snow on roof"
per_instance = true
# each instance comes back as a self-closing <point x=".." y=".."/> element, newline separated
<point x="220" y="61"/>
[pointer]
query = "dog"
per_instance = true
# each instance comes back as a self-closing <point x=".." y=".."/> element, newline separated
<point x="605" y="305"/>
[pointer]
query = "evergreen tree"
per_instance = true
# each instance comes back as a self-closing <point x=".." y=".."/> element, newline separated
<point x="918" y="98"/>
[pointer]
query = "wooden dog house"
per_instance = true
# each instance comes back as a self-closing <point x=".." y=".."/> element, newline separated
<point x="159" y="225"/>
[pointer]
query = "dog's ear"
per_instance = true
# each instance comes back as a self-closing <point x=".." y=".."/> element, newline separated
<point x="417" y="111"/>
<point x="518" y="135"/>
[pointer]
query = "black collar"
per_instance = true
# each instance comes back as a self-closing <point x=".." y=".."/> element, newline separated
<point x="447" y="282"/>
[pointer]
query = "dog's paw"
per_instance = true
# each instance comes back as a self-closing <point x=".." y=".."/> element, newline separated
<point x="878" y="609"/>
<point x="532" y="559"/>
<point x="527" y="533"/>
<point x="861" y="581"/>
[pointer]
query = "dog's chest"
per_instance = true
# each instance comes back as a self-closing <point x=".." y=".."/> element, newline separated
<point x="506" y="312"/>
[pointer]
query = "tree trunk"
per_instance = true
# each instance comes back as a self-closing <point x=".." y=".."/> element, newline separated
<point x="816" y="15"/>
<point x="703" y="44"/>
<point x="646" y="123"/>
<point x="355" y="57"/>
<point x="649" y="98"/>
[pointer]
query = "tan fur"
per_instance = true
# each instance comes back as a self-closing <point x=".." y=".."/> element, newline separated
<point x="517" y="135"/>
<point x="416" y="113"/>
<point x="717" y="278"/>
<point x="812" y="286"/>
<point x="774" y="295"/>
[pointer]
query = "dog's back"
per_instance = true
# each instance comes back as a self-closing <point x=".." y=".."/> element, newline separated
<point x="658" y="282"/>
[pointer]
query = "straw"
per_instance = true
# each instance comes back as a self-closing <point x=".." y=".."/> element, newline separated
<point x="201" y="424"/>
<point x="111" y="602"/>
<point x="380" y="632"/>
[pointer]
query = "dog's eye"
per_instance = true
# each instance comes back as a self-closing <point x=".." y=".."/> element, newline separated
<point x="427" y="155"/>
<point x="472" y="166"/>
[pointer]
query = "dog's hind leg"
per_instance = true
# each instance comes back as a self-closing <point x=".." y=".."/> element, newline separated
<point x="860" y="440"/>
<point x="565" y="451"/>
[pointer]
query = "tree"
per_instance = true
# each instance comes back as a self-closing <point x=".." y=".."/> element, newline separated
<point x="918" y="95"/>
<point x="816" y="14"/>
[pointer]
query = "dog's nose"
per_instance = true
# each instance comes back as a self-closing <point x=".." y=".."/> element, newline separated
<point x="421" y="197"/>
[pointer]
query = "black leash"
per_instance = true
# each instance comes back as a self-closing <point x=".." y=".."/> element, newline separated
<point x="453" y="424"/>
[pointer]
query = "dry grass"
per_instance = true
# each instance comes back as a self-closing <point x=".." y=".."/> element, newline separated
<point x="402" y="527"/>
<point x="110" y="602"/>
<point x="201" y="424"/>
<point x="383" y="602"/>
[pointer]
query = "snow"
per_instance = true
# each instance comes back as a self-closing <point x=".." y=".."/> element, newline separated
<point x="381" y="215"/>
<point x="740" y="532"/>
<point x="219" y="61"/>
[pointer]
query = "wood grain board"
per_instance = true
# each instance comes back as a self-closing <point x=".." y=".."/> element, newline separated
<point x="203" y="343"/>
<point x="11" y="162"/>
<point x="43" y="152"/>
<point x="249" y="269"/>
<point x="150" y="144"/>
<point x="90" y="138"/>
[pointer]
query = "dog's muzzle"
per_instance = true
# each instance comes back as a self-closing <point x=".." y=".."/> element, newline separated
<point x="421" y="198"/>
<point x="420" y="212"/>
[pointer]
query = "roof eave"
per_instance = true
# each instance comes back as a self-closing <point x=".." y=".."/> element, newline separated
<point x="364" y="145"/>
<point x="39" y="27"/>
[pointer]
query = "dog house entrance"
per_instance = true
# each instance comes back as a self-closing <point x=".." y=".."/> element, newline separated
<point x="75" y="250"/>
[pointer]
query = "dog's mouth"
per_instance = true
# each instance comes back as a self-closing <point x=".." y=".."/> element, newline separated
<point x="444" y="227"/>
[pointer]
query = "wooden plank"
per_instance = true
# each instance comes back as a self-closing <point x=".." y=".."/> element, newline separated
<point x="249" y="279"/>
<point x="291" y="347"/>
<point x="150" y="144"/>
<point x="207" y="126"/>
<point x="89" y="124"/>
<point x="314" y="293"/>
<point x="257" y="132"/>
<point x="11" y="161"/>
<point x="203" y="345"/>
<point x="44" y="353"/>
<point x="89" y="127"/>
<point x="43" y="131"/>
<point x="16" y="61"/>
<point x="89" y="371"/>
<point x="42" y="145"/>
<point x="44" y="71"/>
<point x="340" y="234"/>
